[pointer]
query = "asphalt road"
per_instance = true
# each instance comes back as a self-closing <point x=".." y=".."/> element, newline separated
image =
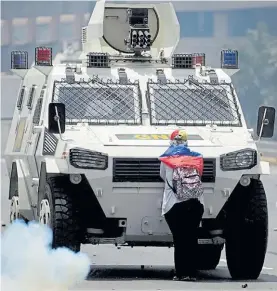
<point x="120" y="269"/>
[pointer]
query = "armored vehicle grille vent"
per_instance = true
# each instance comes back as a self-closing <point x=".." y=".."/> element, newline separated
<point x="37" y="113"/>
<point x="148" y="170"/>
<point x="50" y="143"/>
<point x="20" y="98"/>
<point x="98" y="60"/>
<point x="42" y="92"/>
<point x="31" y="97"/>
<point x="84" y="35"/>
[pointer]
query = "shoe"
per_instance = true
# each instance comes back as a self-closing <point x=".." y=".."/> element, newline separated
<point x="188" y="278"/>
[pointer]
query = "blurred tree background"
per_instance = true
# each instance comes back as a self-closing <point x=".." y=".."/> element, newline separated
<point x="256" y="82"/>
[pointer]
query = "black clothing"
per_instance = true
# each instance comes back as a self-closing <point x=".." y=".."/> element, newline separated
<point x="183" y="220"/>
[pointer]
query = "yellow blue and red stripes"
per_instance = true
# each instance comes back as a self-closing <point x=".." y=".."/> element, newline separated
<point x="181" y="156"/>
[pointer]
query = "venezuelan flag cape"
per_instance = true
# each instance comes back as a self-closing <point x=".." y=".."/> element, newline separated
<point x="182" y="156"/>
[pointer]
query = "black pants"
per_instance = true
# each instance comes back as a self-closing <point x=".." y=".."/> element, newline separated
<point x="183" y="220"/>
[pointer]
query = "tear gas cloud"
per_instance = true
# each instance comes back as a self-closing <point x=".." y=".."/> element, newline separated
<point x="29" y="264"/>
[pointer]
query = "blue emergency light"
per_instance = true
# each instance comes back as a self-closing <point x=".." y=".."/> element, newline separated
<point x="229" y="59"/>
<point x="19" y="60"/>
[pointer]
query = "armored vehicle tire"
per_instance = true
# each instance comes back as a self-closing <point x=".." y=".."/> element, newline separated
<point x="247" y="232"/>
<point x="56" y="209"/>
<point x="208" y="256"/>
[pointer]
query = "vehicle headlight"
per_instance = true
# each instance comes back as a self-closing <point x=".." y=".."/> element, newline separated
<point x="239" y="160"/>
<point x="86" y="159"/>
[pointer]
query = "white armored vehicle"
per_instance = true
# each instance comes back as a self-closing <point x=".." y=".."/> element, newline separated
<point x="84" y="143"/>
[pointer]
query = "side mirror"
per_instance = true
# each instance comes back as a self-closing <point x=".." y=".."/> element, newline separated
<point x="266" y="120"/>
<point x="56" y="118"/>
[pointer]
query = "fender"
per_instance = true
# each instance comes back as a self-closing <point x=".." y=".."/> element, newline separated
<point x="17" y="181"/>
<point x="51" y="166"/>
<point x="264" y="168"/>
<point x="42" y="183"/>
<point x="13" y="188"/>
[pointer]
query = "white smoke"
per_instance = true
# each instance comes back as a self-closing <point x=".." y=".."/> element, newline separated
<point x="29" y="264"/>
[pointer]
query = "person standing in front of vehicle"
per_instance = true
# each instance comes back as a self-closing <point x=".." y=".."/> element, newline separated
<point x="182" y="206"/>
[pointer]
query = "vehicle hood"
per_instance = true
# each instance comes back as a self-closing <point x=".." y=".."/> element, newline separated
<point x="109" y="136"/>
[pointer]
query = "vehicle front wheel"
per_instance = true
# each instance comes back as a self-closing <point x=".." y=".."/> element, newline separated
<point x="247" y="231"/>
<point x="56" y="209"/>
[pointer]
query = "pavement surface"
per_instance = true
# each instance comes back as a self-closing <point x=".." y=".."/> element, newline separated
<point x="143" y="268"/>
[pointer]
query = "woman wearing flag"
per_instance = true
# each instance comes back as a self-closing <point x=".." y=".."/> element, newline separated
<point x="182" y="207"/>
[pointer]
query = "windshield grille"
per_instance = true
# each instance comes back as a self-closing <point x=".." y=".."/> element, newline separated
<point x="192" y="103"/>
<point x="99" y="102"/>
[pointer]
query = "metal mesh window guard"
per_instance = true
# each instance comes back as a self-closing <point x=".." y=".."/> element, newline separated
<point x="99" y="102"/>
<point x="192" y="103"/>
